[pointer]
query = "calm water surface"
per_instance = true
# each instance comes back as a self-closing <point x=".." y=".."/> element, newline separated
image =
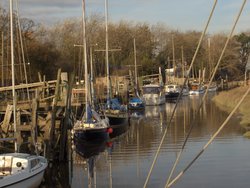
<point x="125" y="160"/>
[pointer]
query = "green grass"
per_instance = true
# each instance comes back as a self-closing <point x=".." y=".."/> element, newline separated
<point x="247" y="134"/>
<point x="227" y="100"/>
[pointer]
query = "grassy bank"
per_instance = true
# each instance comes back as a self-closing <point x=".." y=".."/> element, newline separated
<point x="227" y="100"/>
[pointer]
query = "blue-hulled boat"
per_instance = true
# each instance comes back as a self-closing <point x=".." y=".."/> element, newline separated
<point x="136" y="103"/>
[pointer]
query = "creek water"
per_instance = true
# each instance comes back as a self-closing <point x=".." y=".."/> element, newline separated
<point x="125" y="160"/>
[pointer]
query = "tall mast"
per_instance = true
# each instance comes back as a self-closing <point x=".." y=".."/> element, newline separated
<point x="91" y="78"/>
<point x="85" y="58"/>
<point x="107" y="49"/>
<point x="2" y="60"/>
<point x="13" y="69"/>
<point x="182" y="61"/>
<point x="136" y="81"/>
<point x="173" y="49"/>
<point x="22" y="49"/>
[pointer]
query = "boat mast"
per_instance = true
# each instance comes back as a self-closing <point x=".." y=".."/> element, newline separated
<point x="136" y="81"/>
<point x="173" y="51"/>
<point x="107" y="50"/>
<point x="85" y="58"/>
<point x="92" y="78"/>
<point x="13" y="69"/>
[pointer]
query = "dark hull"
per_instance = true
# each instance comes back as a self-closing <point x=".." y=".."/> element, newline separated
<point x="117" y="120"/>
<point x="171" y="95"/>
<point x="141" y="107"/>
<point x="92" y="134"/>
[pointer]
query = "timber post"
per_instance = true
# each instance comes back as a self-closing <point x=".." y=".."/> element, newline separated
<point x="53" y="115"/>
<point x="66" y="120"/>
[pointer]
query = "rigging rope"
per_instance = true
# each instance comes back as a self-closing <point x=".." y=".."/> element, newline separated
<point x="178" y="99"/>
<point x="22" y="49"/>
<point x="200" y="106"/>
<point x="211" y="139"/>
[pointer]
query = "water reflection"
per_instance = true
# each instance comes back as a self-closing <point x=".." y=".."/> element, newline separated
<point x="89" y="149"/>
<point x="127" y="162"/>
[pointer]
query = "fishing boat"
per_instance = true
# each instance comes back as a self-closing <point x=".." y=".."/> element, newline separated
<point x="172" y="91"/>
<point x="153" y="94"/>
<point x="19" y="169"/>
<point x="92" y="126"/>
<point x="116" y="113"/>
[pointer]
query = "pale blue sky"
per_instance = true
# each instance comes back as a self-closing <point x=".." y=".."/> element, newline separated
<point x="177" y="14"/>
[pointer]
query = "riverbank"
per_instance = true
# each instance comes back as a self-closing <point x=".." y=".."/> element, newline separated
<point x="227" y="100"/>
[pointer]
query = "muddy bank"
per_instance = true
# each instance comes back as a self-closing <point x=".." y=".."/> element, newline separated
<point x="227" y="100"/>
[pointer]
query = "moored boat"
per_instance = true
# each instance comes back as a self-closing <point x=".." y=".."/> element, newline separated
<point x="153" y="94"/>
<point x="136" y="103"/>
<point x="172" y="91"/>
<point x="92" y="126"/>
<point x="212" y="88"/>
<point x="185" y="91"/>
<point x="196" y="89"/>
<point x="116" y="113"/>
<point x="21" y="170"/>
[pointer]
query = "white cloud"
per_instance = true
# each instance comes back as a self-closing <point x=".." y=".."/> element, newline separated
<point x="181" y="14"/>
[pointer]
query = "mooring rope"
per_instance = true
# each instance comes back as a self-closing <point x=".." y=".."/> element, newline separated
<point x="203" y="99"/>
<point x="211" y="139"/>
<point x="178" y="99"/>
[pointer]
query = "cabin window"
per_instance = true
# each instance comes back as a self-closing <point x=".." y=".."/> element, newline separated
<point x="34" y="163"/>
<point x="151" y="90"/>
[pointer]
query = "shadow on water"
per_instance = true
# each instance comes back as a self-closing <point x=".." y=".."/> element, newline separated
<point x="89" y="149"/>
<point x="119" y="129"/>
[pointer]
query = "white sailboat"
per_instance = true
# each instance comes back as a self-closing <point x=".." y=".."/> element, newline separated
<point x="19" y="169"/>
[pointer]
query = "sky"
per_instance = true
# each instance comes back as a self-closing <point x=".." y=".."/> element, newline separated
<point x="176" y="14"/>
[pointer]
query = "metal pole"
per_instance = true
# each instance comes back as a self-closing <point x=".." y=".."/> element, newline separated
<point x="85" y="57"/>
<point x="22" y="49"/>
<point x="13" y="69"/>
<point x="173" y="48"/>
<point x="2" y="60"/>
<point x="136" y="81"/>
<point x="91" y="77"/>
<point x="107" y="47"/>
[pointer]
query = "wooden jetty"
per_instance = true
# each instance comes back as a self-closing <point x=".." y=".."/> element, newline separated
<point x="43" y="114"/>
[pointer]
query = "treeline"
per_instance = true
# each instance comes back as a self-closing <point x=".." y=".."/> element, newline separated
<point x="48" y="48"/>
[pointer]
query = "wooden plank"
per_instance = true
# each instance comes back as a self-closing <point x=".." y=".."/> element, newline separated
<point x="7" y="117"/>
<point x="24" y="86"/>
<point x="53" y="117"/>
<point x="18" y="124"/>
<point x="66" y="121"/>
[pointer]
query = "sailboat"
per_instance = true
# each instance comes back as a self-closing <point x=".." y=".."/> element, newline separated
<point x="92" y="126"/>
<point x="116" y="112"/>
<point x="19" y="169"/>
<point x="136" y="102"/>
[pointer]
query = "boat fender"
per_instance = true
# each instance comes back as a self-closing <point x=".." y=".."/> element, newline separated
<point x="109" y="130"/>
